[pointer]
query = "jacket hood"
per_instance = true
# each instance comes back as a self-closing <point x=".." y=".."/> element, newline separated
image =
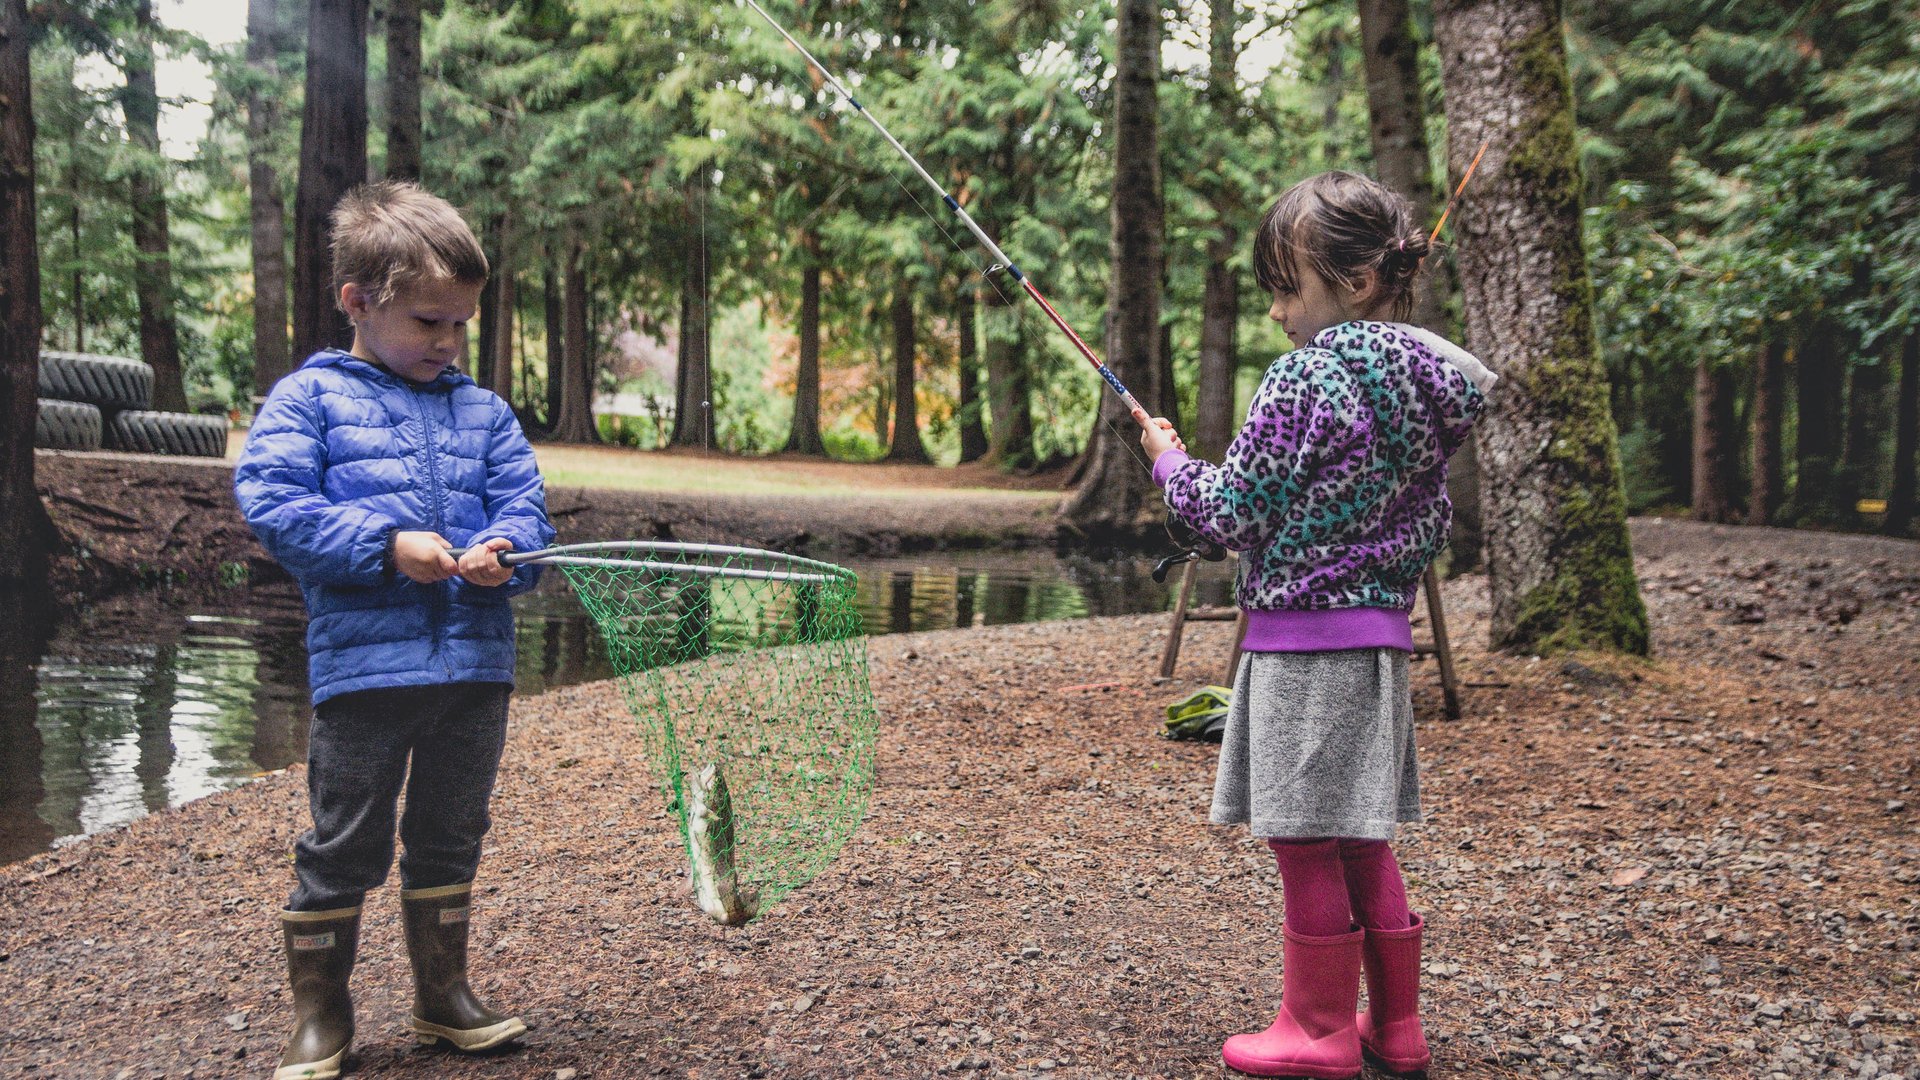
<point x="1447" y="380"/>
<point x="347" y="362"/>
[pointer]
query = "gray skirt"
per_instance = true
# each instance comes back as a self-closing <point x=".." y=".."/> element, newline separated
<point x="1319" y="744"/>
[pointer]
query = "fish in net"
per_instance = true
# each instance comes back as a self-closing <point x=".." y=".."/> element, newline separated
<point x="746" y="671"/>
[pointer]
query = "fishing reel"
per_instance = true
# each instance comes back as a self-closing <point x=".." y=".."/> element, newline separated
<point x="1193" y="547"/>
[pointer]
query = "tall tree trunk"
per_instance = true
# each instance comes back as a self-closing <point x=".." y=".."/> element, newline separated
<point x="403" y="89"/>
<point x="1867" y="420"/>
<point x="1765" y="487"/>
<point x="266" y="210"/>
<point x="1116" y="496"/>
<point x="1906" y="440"/>
<point x="147" y="188"/>
<point x="1213" y="421"/>
<point x="1818" y="373"/>
<point x="907" y="446"/>
<point x="1715" y="464"/>
<point x="1397" y="126"/>
<point x="556" y="345"/>
<point x="574" y="422"/>
<point x="804" y="436"/>
<point x="693" y="421"/>
<point x="333" y="158"/>
<point x="1219" y="321"/>
<point x="973" y="430"/>
<point x="480" y="367"/>
<point x="501" y="363"/>
<point x="1558" y="555"/>
<point x="1009" y="386"/>
<point x="24" y="528"/>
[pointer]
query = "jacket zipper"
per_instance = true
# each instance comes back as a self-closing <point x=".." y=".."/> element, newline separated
<point x="437" y="608"/>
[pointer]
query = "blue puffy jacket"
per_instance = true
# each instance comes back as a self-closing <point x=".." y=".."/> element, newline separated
<point x="343" y="454"/>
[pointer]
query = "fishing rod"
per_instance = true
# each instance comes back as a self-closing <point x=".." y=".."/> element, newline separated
<point x="1002" y="259"/>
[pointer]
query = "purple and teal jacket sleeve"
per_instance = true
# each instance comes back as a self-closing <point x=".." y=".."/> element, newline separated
<point x="1297" y="415"/>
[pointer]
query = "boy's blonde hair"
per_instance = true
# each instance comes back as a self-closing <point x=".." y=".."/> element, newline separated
<point x="393" y="233"/>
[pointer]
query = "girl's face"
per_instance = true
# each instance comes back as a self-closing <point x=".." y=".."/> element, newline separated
<point x="1315" y="304"/>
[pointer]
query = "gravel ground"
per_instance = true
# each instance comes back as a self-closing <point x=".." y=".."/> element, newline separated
<point x="1703" y="865"/>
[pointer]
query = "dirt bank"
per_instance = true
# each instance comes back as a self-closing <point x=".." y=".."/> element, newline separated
<point x="128" y="519"/>
<point x="1699" y="866"/>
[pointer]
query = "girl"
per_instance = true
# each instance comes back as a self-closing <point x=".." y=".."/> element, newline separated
<point x="1336" y="491"/>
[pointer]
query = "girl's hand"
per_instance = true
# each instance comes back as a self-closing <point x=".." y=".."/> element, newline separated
<point x="1157" y="435"/>
<point x="423" y="556"/>
<point x="480" y="565"/>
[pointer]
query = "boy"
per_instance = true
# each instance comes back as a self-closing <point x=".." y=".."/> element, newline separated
<point x="361" y="470"/>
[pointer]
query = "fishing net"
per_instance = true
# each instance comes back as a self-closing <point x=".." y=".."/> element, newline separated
<point x="747" y="673"/>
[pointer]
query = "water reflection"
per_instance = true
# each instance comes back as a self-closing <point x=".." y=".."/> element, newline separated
<point x="142" y="703"/>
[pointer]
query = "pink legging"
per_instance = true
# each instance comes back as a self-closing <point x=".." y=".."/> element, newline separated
<point x="1329" y="885"/>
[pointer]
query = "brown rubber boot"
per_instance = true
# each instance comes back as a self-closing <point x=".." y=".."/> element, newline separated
<point x="444" y="1008"/>
<point x="320" y="947"/>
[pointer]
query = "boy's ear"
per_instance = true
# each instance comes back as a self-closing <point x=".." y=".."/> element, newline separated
<point x="355" y="301"/>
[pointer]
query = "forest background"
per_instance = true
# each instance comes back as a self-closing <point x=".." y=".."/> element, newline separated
<point x="678" y="213"/>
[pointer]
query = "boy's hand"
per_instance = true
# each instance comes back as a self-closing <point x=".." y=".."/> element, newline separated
<point x="1157" y="435"/>
<point x="423" y="556"/>
<point x="480" y="565"/>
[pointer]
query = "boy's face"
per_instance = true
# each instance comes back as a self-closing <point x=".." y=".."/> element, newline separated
<point x="419" y="331"/>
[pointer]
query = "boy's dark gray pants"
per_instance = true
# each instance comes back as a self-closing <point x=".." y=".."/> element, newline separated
<point x="357" y="757"/>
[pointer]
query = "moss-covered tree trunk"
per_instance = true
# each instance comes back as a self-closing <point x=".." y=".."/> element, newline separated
<point x="333" y="158"/>
<point x="147" y="189"/>
<point x="804" y="436"/>
<point x="1765" y="482"/>
<point x="1397" y="126"/>
<point x="267" y="211"/>
<point x="1558" y="554"/>
<point x="1716" y="468"/>
<point x="1116" y="496"/>
<point x="24" y="529"/>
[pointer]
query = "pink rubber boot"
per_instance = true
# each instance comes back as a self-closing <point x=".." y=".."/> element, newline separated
<point x="1390" y="1033"/>
<point x="1314" y="1035"/>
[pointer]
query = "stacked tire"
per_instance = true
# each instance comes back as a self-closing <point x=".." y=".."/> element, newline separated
<point x="90" y="402"/>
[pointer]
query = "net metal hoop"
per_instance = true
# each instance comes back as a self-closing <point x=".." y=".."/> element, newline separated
<point x="804" y="570"/>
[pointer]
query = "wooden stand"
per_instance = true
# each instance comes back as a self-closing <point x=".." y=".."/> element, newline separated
<point x="1182" y="615"/>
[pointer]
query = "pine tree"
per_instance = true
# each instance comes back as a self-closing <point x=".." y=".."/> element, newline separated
<point x="333" y="159"/>
<point x="266" y="204"/>
<point x="147" y="191"/>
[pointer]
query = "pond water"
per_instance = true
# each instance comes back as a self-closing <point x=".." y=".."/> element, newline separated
<point x="143" y="702"/>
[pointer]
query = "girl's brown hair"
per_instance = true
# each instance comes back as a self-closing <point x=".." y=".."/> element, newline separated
<point x="1346" y="224"/>
<point x="390" y="234"/>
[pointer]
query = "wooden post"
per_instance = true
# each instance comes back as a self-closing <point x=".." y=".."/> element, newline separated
<point x="1171" y="654"/>
<point x="1239" y="638"/>
<point x="1449" y="688"/>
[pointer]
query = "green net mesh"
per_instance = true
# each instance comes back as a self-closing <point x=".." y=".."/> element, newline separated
<point x="747" y="673"/>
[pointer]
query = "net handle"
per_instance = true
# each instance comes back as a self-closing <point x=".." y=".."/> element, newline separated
<point x="585" y="555"/>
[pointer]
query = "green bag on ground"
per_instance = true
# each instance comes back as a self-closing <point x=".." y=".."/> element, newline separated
<point x="1200" y="715"/>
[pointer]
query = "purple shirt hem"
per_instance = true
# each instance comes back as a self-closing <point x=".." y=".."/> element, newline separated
<point x="1327" y="630"/>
